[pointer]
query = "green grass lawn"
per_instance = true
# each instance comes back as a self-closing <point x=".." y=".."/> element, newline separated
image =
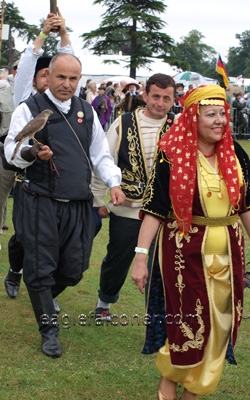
<point x="98" y="362"/>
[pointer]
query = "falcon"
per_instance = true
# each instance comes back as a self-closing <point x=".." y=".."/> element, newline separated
<point x="32" y="127"/>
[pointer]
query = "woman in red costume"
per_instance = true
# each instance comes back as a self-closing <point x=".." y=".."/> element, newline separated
<point x="196" y="199"/>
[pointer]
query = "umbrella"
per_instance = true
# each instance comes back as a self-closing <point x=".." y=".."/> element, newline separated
<point x="189" y="77"/>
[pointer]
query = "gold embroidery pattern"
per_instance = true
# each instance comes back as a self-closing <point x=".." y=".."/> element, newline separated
<point x="135" y="160"/>
<point x="149" y="191"/>
<point x="238" y="232"/>
<point x="240" y="236"/>
<point x="195" y="339"/>
<point x="134" y="180"/>
<point x="239" y="309"/>
<point x="177" y="234"/>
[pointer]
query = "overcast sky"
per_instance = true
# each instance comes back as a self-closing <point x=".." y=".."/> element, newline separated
<point x="218" y="21"/>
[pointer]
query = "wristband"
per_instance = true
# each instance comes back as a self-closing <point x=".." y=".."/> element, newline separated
<point x="141" y="250"/>
<point x="43" y="35"/>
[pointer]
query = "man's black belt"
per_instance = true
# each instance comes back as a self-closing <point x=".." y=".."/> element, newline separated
<point x="141" y="185"/>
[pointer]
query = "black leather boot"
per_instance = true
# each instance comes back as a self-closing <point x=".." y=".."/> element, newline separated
<point x="56" y="290"/>
<point x="42" y="303"/>
<point x="56" y="306"/>
<point x="12" y="284"/>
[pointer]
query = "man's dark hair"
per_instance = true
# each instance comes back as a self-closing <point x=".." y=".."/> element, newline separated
<point x="161" y="80"/>
<point x="179" y="85"/>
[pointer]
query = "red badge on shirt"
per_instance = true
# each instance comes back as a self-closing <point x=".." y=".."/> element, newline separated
<point x="80" y="116"/>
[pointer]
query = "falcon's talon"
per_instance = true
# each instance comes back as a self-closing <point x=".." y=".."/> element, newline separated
<point x="36" y="141"/>
<point x="39" y="145"/>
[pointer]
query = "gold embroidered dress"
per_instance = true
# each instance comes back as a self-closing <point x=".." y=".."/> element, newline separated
<point x="196" y="287"/>
<point x="204" y="377"/>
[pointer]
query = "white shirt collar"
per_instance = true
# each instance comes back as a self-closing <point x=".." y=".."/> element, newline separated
<point x="63" y="106"/>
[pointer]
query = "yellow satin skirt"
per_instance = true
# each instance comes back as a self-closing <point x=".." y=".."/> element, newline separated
<point x="204" y="378"/>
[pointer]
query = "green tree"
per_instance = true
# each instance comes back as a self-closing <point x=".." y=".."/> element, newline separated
<point x="239" y="57"/>
<point x="133" y="28"/>
<point x="17" y="25"/>
<point x="199" y="57"/>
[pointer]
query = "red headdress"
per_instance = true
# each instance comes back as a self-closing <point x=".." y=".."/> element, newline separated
<point x="180" y="146"/>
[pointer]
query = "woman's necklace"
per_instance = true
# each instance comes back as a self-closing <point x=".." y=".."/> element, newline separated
<point x="211" y="171"/>
<point x="209" y="155"/>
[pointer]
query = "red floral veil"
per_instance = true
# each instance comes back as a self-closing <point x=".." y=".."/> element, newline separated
<point x="180" y="146"/>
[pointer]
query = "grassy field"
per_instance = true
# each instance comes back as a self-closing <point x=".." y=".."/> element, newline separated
<point x="98" y="362"/>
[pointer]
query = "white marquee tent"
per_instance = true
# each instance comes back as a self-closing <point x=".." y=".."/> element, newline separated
<point x="93" y="67"/>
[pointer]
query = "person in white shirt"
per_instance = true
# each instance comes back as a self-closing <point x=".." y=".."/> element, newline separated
<point x="55" y="222"/>
<point x="132" y="141"/>
<point x="31" y="79"/>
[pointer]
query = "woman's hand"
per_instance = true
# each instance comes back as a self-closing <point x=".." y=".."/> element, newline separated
<point x="148" y="230"/>
<point x="140" y="271"/>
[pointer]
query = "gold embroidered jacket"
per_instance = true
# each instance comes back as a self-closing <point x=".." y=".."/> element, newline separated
<point x="131" y="155"/>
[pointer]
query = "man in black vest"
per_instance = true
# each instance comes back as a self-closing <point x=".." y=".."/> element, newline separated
<point x="30" y="80"/>
<point x="132" y="139"/>
<point x="55" y="222"/>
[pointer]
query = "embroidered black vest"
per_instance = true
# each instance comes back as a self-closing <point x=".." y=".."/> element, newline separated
<point x="68" y="175"/>
<point x="131" y="157"/>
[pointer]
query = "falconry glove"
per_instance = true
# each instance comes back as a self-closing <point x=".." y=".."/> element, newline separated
<point x="30" y="153"/>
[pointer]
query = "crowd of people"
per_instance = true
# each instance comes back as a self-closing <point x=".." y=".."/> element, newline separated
<point x="179" y="192"/>
<point x="110" y="99"/>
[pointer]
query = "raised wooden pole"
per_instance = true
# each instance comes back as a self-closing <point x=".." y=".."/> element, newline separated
<point x="53" y="5"/>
